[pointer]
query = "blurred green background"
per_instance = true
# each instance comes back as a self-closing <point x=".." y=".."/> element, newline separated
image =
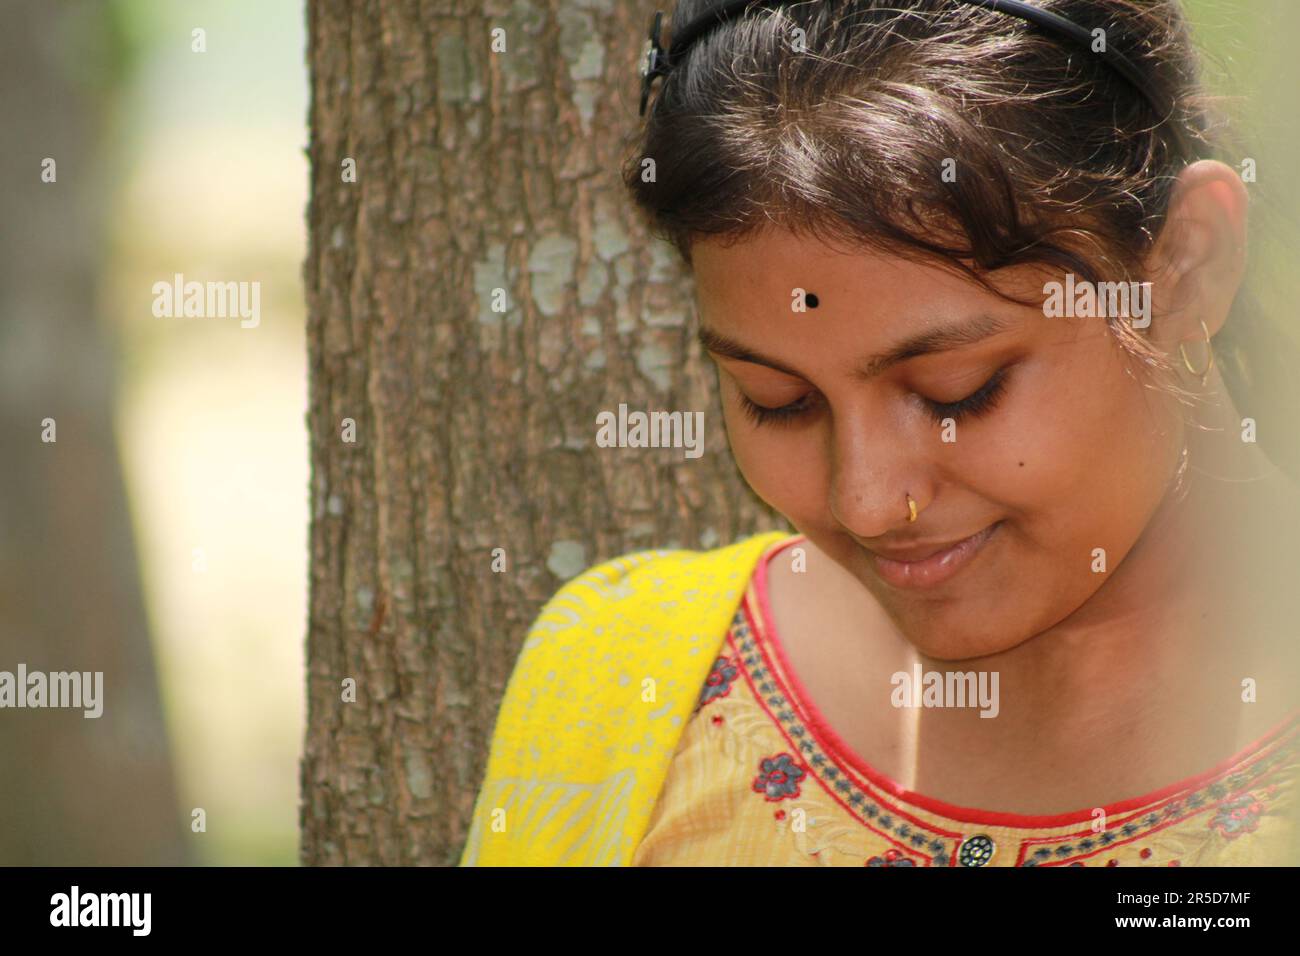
<point x="211" y="181"/>
<point x="194" y="163"/>
<point x="169" y="161"/>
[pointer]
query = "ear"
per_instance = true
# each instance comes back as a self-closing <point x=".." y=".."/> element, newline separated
<point x="1198" y="261"/>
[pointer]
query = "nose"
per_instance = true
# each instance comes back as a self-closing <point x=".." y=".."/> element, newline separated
<point x="873" y="471"/>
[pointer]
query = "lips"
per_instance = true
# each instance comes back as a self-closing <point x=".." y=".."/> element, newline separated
<point x="929" y="565"/>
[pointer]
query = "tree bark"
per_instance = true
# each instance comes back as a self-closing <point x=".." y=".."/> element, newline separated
<point x="474" y="429"/>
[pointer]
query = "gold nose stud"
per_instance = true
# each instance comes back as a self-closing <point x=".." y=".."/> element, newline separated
<point x="911" y="509"/>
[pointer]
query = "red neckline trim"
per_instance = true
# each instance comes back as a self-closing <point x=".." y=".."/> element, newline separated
<point x="833" y="742"/>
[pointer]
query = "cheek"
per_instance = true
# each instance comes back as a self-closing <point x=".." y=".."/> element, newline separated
<point x="1080" y="456"/>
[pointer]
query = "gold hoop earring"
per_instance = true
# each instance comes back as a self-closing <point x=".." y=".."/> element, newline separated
<point x="911" y="510"/>
<point x="1204" y="373"/>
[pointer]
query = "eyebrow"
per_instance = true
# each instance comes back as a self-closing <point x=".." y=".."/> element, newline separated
<point x="952" y="336"/>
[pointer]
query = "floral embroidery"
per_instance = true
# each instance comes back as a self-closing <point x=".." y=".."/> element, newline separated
<point x="1238" y="816"/>
<point x="719" y="681"/>
<point x="779" y="777"/>
<point x="891" y="858"/>
<point x="743" y="663"/>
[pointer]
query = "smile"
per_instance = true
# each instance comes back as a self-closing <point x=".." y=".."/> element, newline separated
<point x="934" y="568"/>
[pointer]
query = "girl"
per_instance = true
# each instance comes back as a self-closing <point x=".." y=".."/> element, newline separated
<point x="972" y="282"/>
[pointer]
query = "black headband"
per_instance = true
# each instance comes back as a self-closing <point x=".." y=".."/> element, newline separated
<point x="659" y="61"/>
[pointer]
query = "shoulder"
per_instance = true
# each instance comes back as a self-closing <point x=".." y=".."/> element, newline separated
<point x="628" y="591"/>
<point x="651" y="614"/>
<point x="599" y="695"/>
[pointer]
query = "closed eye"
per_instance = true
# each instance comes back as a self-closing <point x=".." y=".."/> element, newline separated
<point x="783" y="415"/>
<point x="979" y="402"/>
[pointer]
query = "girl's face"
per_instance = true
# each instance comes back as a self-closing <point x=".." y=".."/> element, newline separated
<point x="1031" y="434"/>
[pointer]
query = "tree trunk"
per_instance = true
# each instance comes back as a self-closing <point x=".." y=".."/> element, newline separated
<point x="73" y="790"/>
<point x="475" y="429"/>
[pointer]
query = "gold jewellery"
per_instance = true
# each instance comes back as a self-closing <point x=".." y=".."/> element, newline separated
<point x="1204" y="373"/>
<point x="911" y="509"/>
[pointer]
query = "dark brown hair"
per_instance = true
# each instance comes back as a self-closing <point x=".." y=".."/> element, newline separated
<point x="1058" y="160"/>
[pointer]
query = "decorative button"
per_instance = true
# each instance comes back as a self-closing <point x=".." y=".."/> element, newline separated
<point x="976" y="851"/>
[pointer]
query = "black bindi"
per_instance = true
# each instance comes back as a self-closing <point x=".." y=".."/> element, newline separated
<point x="811" y="300"/>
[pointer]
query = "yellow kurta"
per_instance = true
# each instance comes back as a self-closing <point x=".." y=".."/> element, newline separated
<point x="652" y="719"/>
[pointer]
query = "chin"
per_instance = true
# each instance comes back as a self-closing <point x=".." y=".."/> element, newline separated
<point x="955" y="642"/>
<point x="967" y="617"/>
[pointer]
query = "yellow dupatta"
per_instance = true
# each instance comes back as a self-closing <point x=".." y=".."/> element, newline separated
<point x="597" y="702"/>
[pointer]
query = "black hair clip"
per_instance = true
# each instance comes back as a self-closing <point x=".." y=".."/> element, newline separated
<point x="655" y="61"/>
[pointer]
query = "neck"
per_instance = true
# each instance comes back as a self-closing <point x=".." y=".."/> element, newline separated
<point x="1190" y="599"/>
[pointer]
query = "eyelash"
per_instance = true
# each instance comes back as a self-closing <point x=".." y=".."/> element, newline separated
<point x="979" y="402"/>
<point x="762" y="415"/>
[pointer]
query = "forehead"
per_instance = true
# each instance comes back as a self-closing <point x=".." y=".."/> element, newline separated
<point x="758" y="275"/>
